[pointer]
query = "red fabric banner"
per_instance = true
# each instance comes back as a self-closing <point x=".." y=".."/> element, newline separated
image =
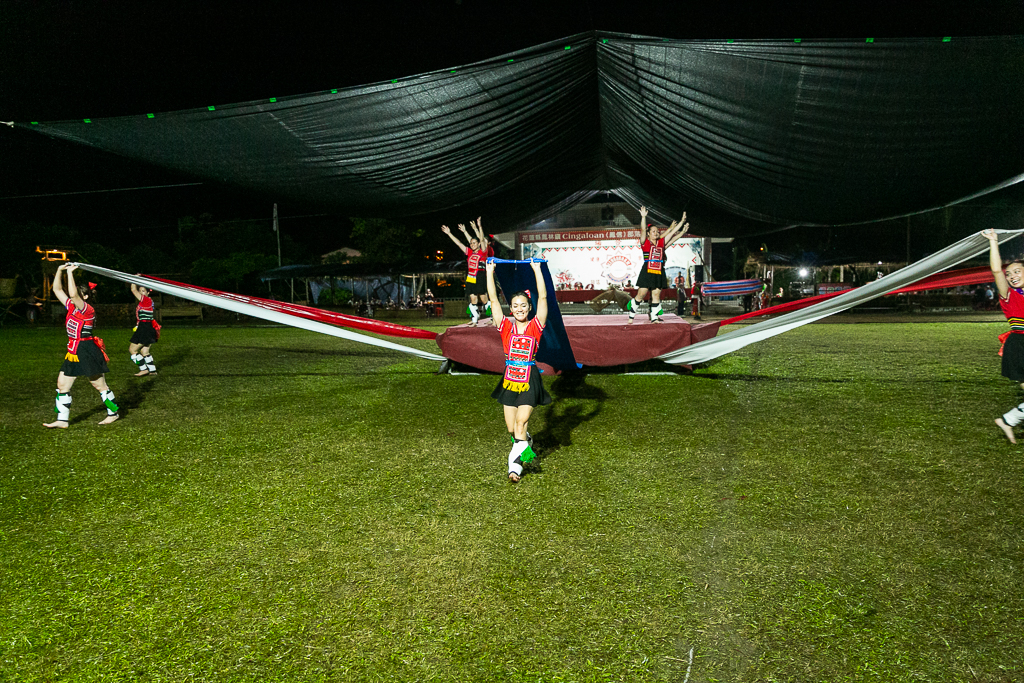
<point x="953" y="278"/>
<point x="319" y="315"/>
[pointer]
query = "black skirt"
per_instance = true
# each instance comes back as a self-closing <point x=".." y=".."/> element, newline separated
<point x="1013" y="357"/>
<point x="144" y="334"/>
<point x="479" y="287"/>
<point x="536" y="395"/>
<point x="651" y="280"/>
<point x="91" y="361"/>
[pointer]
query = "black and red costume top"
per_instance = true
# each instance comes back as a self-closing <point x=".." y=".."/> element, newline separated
<point x="474" y="259"/>
<point x="144" y="311"/>
<point x="520" y="349"/>
<point x="79" y="326"/>
<point x="1013" y="309"/>
<point x="654" y="255"/>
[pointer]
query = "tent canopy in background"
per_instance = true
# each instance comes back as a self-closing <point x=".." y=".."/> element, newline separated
<point x="746" y="136"/>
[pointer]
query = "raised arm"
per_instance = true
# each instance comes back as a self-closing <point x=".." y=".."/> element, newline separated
<point x="995" y="262"/>
<point x="74" y="295"/>
<point x="677" y="230"/>
<point x="465" y="233"/>
<point x="58" y="284"/>
<point x="492" y="293"/>
<point x="478" y="227"/>
<point x="643" y="224"/>
<point x="542" y="294"/>
<point x="446" y="230"/>
<point x="137" y="291"/>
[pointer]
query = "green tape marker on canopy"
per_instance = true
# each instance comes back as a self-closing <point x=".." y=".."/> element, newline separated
<point x="334" y="92"/>
<point x="511" y="60"/>
<point x="34" y="123"/>
<point x="87" y="120"/>
<point x="604" y="40"/>
<point x="212" y="108"/>
<point x="273" y="99"/>
<point x="568" y="47"/>
<point x="796" y="40"/>
<point x="394" y="80"/>
<point x="869" y="40"/>
<point x="730" y="41"/>
<point x="947" y="39"/>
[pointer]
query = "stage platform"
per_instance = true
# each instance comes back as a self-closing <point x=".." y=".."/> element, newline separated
<point x="596" y="340"/>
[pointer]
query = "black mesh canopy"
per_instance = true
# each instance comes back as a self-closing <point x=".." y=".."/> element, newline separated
<point x="745" y="136"/>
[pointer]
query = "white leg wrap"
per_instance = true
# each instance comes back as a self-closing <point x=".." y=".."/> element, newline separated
<point x="137" y="359"/>
<point x="474" y="311"/>
<point x="1015" y="416"/>
<point x="515" y="465"/>
<point x="656" y="311"/>
<point x="108" y="401"/>
<point x="632" y="307"/>
<point x="62" y="407"/>
<point x="149" y="363"/>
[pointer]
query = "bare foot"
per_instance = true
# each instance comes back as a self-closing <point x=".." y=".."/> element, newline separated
<point x="1007" y="429"/>
<point x="513" y="477"/>
<point x="56" y="424"/>
<point x="110" y="418"/>
<point x="143" y="373"/>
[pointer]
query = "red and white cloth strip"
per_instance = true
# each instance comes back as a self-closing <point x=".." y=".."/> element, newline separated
<point x="827" y="305"/>
<point x="954" y="278"/>
<point x="730" y="287"/>
<point x="310" y="313"/>
<point x="245" y="306"/>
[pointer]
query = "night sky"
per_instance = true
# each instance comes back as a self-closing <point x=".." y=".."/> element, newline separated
<point x="75" y="59"/>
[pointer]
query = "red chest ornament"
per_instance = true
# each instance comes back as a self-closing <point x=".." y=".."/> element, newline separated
<point x="79" y="327"/>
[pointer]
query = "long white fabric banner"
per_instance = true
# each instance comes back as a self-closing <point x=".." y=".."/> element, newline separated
<point x="257" y="311"/>
<point x="966" y="248"/>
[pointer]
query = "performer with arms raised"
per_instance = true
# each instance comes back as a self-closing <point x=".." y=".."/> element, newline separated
<point x="520" y="389"/>
<point x="476" y="253"/>
<point x="652" y="273"/>
<point x="85" y="354"/>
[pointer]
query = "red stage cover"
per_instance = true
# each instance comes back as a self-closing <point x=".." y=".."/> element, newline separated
<point x="597" y="340"/>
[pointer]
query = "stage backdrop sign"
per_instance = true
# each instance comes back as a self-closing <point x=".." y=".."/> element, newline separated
<point x="600" y="258"/>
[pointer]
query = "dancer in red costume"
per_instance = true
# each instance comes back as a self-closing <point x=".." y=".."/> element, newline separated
<point x="520" y="389"/>
<point x="145" y="333"/>
<point x="85" y="355"/>
<point x="1010" y="283"/>
<point x="652" y="274"/>
<point x="476" y="253"/>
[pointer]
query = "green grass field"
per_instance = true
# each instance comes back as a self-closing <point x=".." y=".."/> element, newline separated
<point x="831" y="505"/>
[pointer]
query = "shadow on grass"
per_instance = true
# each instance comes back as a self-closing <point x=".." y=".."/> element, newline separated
<point x="131" y="392"/>
<point x="575" y="402"/>
<point x="129" y="396"/>
<point x="748" y="377"/>
<point x="360" y="353"/>
<point x="170" y="360"/>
